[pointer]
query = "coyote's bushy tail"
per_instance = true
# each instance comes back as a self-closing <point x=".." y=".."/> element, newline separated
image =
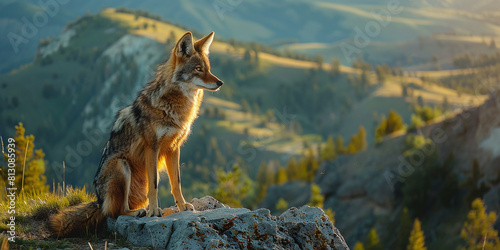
<point x="80" y="218"/>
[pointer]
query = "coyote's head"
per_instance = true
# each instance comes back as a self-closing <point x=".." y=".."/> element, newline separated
<point x="191" y="65"/>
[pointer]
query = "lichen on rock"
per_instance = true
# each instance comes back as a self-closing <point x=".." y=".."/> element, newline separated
<point x="215" y="225"/>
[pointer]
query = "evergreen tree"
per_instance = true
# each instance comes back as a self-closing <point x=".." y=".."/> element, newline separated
<point x="316" y="198"/>
<point x="247" y="56"/>
<point x="246" y="106"/>
<point x="261" y="182"/>
<point x="372" y="241"/>
<point x="256" y="59"/>
<point x="312" y="167"/>
<point x="232" y="187"/>
<point x="28" y="160"/>
<point x="359" y="246"/>
<point x="382" y="71"/>
<point x="310" y="162"/>
<point x="404" y="230"/>
<point x="420" y="101"/>
<point x="281" y="205"/>
<point x="478" y="232"/>
<point x="292" y="170"/>
<point x="361" y="143"/>
<point x="358" y="141"/>
<point x="319" y="60"/>
<point x="380" y="131"/>
<point x="331" y="215"/>
<point x="392" y="124"/>
<point x="335" y="67"/>
<point x="450" y="187"/>
<point x="476" y="190"/>
<point x="271" y="174"/>
<point x="281" y="176"/>
<point x="328" y="153"/>
<point x="417" y="238"/>
<point x="493" y="44"/>
<point x="340" y="145"/>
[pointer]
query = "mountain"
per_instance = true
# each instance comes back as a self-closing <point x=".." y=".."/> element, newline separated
<point x="99" y="62"/>
<point x="370" y="189"/>
<point x="300" y="21"/>
<point x="22" y="25"/>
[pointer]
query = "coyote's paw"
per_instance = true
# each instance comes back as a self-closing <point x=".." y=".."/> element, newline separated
<point x="155" y="212"/>
<point x="141" y="212"/>
<point x="185" y="207"/>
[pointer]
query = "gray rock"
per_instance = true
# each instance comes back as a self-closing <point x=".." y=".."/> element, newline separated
<point x="311" y="228"/>
<point x="206" y="203"/>
<point x="232" y="228"/>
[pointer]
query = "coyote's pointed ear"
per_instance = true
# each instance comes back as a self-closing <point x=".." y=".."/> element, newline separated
<point x="203" y="45"/>
<point x="185" y="45"/>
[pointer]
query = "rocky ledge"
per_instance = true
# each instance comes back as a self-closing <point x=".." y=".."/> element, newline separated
<point x="215" y="225"/>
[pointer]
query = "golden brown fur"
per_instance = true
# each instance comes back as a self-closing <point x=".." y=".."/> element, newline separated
<point x="146" y="138"/>
<point x="69" y="220"/>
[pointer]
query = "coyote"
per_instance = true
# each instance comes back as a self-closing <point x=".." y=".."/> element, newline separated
<point x="145" y="139"/>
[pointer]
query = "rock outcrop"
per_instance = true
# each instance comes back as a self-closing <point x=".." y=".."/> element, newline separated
<point x="214" y="225"/>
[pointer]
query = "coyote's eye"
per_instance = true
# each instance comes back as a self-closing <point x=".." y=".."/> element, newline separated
<point x="199" y="69"/>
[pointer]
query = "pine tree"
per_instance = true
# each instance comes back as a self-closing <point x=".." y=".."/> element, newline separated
<point x="232" y="187"/>
<point x="417" y="238"/>
<point x="331" y="215"/>
<point x="372" y="241"/>
<point x="247" y="56"/>
<point x="328" y="153"/>
<point x="335" y="71"/>
<point x="404" y="230"/>
<point x="351" y="147"/>
<point x="261" y="182"/>
<point x="358" y="141"/>
<point x="281" y="176"/>
<point x="316" y="198"/>
<point x="380" y="131"/>
<point x="450" y="186"/>
<point x="493" y="44"/>
<point x="312" y="167"/>
<point x="33" y="165"/>
<point x="361" y="139"/>
<point x="271" y="174"/>
<point x="340" y="145"/>
<point x="476" y="190"/>
<point x="392" y="124"/>
<point x="478" y="232"/>
<point x="291" y="170"/>
<point x="359" y="246"/>
<point x="281" y="205"/>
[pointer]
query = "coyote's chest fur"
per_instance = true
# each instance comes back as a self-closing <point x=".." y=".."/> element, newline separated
<point x="180" y="110"/>
<point x="170" y="117"/>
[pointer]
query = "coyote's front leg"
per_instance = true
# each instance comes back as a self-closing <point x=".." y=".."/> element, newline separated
<point x="151" y="156"/>
<point x="174" y="176"/>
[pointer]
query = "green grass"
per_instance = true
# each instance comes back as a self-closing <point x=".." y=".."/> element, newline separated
<point x="33" y="206"/>
<point x="32" y="212"/>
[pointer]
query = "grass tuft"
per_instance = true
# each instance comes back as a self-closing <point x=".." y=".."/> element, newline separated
<point x="48" y="207"/>
<point x="76" y="196"/>
<point x="35" y="206"/>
